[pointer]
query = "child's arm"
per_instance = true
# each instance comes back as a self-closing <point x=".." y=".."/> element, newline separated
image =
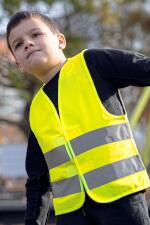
<point x="38" y="188"/>
<point x="123" y="68"/>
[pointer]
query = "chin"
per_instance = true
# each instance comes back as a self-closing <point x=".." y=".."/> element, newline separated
<point x="37" y="64"/>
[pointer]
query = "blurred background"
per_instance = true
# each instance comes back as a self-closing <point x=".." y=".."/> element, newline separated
<point x="123" y="24"/>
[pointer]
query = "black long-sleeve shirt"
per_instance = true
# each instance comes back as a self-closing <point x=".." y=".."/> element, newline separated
<point x="110" y="69"/>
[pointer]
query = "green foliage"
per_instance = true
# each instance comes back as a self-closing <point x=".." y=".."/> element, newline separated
<point x="14" y="5"/>
<point x="75" y="45"/>
<point x="146" y="151"/>
<point x="48" y="2"/>
<point x="17" y="80"/>
<point x="11" y="6"/>
<point x="146" y="24"/>
<point x="31" y="1"/>
<point x="140" y="106"/>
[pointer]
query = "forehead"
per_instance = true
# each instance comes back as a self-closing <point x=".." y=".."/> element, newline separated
<point x="26" y="26"/>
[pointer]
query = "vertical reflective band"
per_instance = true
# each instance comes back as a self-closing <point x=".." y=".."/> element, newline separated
<point x="100" y="137"/>
<point x="66" y="187"/>
<point x="114" y="171"/>
<point x="56" y="157"/>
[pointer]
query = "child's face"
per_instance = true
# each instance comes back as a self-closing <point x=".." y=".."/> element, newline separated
<point x="35" y="47"/>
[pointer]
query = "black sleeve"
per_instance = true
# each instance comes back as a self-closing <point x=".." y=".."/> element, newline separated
<point x="123" y="68"/>
<point x="38" y="182"/>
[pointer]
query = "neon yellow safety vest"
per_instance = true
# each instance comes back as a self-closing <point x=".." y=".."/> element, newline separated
<point x="85" y="147"/>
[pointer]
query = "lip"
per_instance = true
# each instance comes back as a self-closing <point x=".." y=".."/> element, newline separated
<point x="31" y="52"/>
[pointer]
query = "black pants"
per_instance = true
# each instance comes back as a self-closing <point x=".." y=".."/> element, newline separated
<point x="129" y="210"/>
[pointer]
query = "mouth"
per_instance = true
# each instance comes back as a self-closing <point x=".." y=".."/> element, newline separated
<point x="30" y="53"/>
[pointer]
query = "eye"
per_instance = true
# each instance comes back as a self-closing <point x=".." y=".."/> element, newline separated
<point x="36" y="34"/>
<point x="18" y="45"/>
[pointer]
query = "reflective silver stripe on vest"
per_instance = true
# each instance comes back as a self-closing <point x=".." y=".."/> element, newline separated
<point x="56" y="157"/>
<point x="114" y="171"/>
<point x="100" y="137"/>
<point x="66" y="187"/>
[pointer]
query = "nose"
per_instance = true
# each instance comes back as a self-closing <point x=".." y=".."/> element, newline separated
<point x="28" y="43"/>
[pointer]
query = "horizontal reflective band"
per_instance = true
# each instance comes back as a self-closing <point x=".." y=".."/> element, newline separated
<point x="114" y="171"/>
<point x="100" y="137"/>
<point x="56" y="157"/>
<point x="66" y="187"/>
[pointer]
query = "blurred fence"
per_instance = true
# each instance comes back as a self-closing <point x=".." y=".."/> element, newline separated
<point x="12" y="177"/>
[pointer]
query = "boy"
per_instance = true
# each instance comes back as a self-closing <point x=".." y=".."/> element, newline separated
<point x="80" y="133"/>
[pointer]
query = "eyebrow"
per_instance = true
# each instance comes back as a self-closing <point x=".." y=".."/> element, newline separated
<point x="33" y="29"/>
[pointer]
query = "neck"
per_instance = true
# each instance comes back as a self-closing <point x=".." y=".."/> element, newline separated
<point x="53" y="71"/>
<point x="50" y="73"/>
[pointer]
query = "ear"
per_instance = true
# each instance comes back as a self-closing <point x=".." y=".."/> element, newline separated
<point x="62" y="41"/>
<point x="19" y="67"/>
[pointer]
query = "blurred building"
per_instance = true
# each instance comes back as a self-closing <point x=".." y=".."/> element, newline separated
<point x="12" y="177"/>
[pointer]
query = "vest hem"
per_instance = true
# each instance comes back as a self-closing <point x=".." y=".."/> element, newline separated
<point x="121" y="195"/>
<point x="70" y="209"/>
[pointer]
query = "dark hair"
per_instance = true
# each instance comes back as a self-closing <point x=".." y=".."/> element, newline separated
<point x="22" y="15"/>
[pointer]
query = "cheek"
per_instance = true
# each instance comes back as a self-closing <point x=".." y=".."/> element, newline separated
<point x="51" y="44"/>
<point x="18" y="56"/>
<point x="20" y="61"/>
